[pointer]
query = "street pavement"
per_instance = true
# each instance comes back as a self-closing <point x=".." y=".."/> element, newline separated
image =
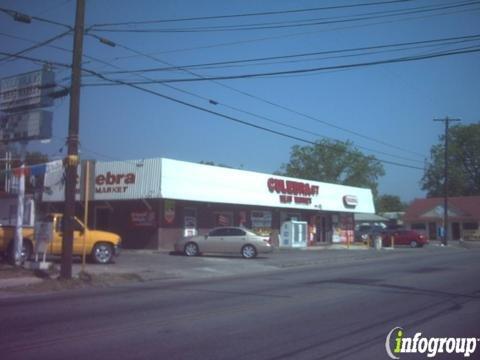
<point x="148" y="265"/>
<point x="325" y="304"/>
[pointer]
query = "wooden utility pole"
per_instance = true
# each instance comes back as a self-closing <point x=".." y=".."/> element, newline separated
<point x="72" y="159"/>
<point x="447" y="121"/>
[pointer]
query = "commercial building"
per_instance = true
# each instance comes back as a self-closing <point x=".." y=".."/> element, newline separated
<point x="426" y="216"/>
<point x="153" y="202"/>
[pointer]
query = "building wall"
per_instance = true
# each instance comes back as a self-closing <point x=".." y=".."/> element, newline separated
<point x="324" y="227"/>
<point x="457" y="229"/>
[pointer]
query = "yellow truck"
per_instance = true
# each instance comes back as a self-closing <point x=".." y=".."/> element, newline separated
<point x="100" y="246"/>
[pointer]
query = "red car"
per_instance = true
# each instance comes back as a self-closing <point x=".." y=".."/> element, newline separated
<point x="404" y="237"/>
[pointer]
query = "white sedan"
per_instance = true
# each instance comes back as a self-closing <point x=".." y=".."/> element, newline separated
<point x="225" y="240"/>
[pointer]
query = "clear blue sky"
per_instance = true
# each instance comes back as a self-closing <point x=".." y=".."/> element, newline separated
<point x="393" y="103"/>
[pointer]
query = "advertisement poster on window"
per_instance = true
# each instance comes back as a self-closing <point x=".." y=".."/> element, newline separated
<point x="169" y="214"/>
<point x="261" y="219"/>
<point x="242" y="219"/>
<point x="223" y="219"/>
<point x="142" y="219"/>
<point x="347" y="228"/>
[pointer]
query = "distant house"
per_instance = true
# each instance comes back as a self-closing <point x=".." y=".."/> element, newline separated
<point x="426" y="216"/>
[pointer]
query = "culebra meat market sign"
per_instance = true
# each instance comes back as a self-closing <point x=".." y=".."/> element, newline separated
<point x="292" y="191"/>
<point x="113" y="183"/>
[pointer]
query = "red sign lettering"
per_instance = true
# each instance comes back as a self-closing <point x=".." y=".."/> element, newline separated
<point x="115" y="179"/>
<point x="292" y="191"/>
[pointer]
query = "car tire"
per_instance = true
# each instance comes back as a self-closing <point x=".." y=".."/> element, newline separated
<point x="191" y="249"/>
<point x="413" y="244"/>
<point x="102" y="253"/>
<point x="249" y="252"/>
<point x="27" y="251"/>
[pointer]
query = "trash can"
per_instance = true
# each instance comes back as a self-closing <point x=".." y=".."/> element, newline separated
<point x="378" y="242"/>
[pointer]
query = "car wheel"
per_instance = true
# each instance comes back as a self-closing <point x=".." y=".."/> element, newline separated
<point x="413" y="244"/>
<point x="102" y="253"/>
<point x="27" y="250"/>
<point x="191" y="249"/>
<point x="249" y="252"/>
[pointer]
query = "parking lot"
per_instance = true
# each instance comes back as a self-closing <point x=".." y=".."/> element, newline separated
<point x="157" y="265"/>
<point x="164" y="265"/>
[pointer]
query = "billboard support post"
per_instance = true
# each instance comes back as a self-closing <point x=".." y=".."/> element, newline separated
<point x="18" y="241"/>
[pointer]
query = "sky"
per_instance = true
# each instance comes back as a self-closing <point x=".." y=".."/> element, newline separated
<point x="386" y="110"/>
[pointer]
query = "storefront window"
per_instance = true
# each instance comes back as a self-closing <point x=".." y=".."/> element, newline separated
<point x="223" y="218"/>
<point x="470" y="226"/>
<point x="190" y="218"/>
<point x="284" y="216"/>
<point x="418" y="226"/>
<point x="190" y="222"/>
<point x="261" y="222"/>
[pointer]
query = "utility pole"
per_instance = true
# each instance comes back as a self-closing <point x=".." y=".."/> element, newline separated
<point x="447" y="121"/>
<point x="72" y="159"/>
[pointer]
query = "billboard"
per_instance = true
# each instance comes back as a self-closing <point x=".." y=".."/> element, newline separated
<point x="32" y="125"/>
<point x="27" y="91"/>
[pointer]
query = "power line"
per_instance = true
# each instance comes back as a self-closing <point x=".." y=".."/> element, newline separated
<point x="449" y="40"/>
<point x="15" y="14"/>
<point x="228" y="117"/>
<point x="92" y="58"/>
<point x="248" y="112"/>
<point x="265" y="13"/>
<point x="465" y="50"/>
<point x="194" y="106"/>
<point x="312" y="22"/>
<point x="37" y="60"/>
<point x="289" y="35"/>
<point x="36" y="46"/>
<point x="265" y="101"/>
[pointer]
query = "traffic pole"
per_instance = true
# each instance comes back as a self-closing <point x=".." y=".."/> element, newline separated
<point x="72" y="159"/>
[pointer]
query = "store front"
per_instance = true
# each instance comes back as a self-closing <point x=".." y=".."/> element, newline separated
<point x="153" y="202"/>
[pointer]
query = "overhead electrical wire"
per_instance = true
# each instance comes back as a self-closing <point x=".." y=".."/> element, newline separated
<point x="435" y="42"/>
<point x="41" y="19"/>
<point x="228" y="117"/>
<point x="247" y="112"/>
<point x="465" y="50"/>
<point x="312" y="22"/>
<point x="250" y="113"/>
<point x="231" y="118"/>
<point x="265" y="13"/>
<point x="36" y="46"/>
<point x="290" y="35"/>
<point x="37" y="60"/>
<point x="287" y="108"/>
<point x="284" y="35"/>
<point x="60" y="48"/>
<point x="51" y="62"/>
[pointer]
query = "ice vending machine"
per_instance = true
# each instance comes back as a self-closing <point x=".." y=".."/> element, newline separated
<point x="293" y="234"/>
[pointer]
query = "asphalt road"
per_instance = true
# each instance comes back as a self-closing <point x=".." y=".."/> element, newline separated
<point x="324" y="310"/>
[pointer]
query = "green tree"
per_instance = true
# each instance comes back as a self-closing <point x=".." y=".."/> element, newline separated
<point x="386" y="203"/>
<point x="334" y="162"/>
<point x="463" y="163"/>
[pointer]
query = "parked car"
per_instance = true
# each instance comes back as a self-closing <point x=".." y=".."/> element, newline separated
<point x="101" y="246"/>
<point x="403" y="237"/>
<point x="225" y="240"/>
<point x="364" y="232"/>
